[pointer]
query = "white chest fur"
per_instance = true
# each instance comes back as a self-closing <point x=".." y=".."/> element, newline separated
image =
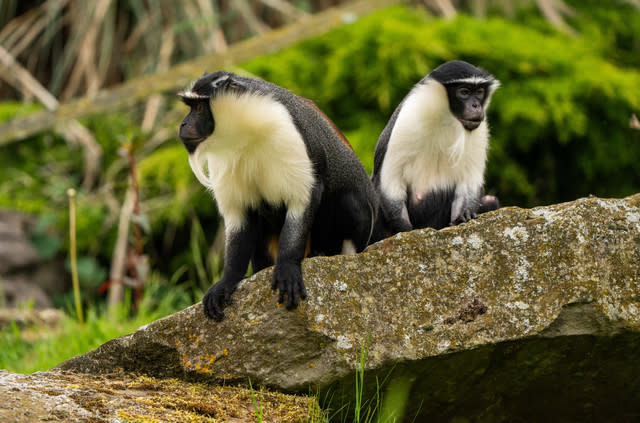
<point x="255" y="154"/>
<point x="429" y="149"/>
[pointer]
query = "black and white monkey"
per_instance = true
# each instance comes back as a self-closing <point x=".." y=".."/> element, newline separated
<point x="430" y="158"/>
<point x="285" y="180"/>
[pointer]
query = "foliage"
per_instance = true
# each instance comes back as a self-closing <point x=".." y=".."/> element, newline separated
<point x="560" y="121"/>
<point x="559" y="124"/>
<point x="73" y="47"/>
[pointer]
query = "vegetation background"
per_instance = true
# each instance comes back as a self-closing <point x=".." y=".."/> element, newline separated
<point x="563" y="125"/>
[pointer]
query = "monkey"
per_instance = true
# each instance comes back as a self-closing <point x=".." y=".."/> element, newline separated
<point x="286" y="181"/>
<point x="430" y="158"/>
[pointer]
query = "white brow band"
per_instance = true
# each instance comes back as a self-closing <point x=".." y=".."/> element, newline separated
<point x="191" y="94"/>
<point x="472" y="80"/>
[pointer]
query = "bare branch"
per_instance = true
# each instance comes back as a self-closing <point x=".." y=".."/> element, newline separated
<point x="118" y="261"/>
<point x="73" y="131"/>
<point x="553" y="11"/>
<point x="155" y="101"/>
<point x="249" y="17"/>
<point x="291" y="12"/>
<point x="141" y="88"/>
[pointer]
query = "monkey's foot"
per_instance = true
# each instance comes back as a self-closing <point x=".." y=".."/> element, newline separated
<point x="488" y="203"/>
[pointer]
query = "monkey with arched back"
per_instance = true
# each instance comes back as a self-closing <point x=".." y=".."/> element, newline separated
<point x="430" y="159"/>
<point x="284" y="178"/>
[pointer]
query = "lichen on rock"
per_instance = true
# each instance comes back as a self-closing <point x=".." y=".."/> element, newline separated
<point x="538" y="285"/>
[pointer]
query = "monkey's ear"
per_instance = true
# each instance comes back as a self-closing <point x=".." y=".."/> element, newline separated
<point x="218" y="82"/>
<point x="234" y="83"/>
<point x="227" y="81"/>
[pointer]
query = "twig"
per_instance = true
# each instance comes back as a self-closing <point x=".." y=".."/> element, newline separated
<point x="71" y="193"/>
<point x="116" y="291"/>
<point x="72" y="131"/>
<point x="85" y="64"/>
<point x="553" y="11"/>
<point x="14" y="74"/>
<point x="136" y="199"/>
<point x="141" y="88"/>
<point x="250" y="18"/>
<point x="447" y="8"/>
<point x="291" y="12"/>
<point x="155" y="101"/>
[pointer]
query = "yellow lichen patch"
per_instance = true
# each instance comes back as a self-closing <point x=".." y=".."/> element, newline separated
<point x="210" y="358"/>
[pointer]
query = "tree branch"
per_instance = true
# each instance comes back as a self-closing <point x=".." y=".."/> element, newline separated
<point x="141" y="88"/>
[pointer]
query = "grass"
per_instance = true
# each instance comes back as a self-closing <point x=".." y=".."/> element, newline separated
<point x="31" y="349"/>
<point x="36" y="348"/>
<point x="386" y="403"/>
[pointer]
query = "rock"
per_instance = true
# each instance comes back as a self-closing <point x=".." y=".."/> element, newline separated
<point x="122" y="397"/>
<point x="519" y="315"/>
<point x="15" y="292"/>
<point x="48" y="317"/>
<point x="25" y="276"/>
<point x="16" y="251"/>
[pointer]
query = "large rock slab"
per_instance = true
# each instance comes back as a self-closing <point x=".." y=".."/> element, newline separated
<point x="519" y="315"/>
<point x="121" y="397"/>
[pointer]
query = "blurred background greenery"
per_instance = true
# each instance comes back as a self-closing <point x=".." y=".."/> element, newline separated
<point x="562" y="123"/>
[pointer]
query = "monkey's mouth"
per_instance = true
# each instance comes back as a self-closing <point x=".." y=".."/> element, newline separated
<point x="470" y="125"/>
<point x="191" y="143"/>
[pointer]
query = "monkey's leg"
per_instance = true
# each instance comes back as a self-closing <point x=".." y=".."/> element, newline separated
<point x="239" y="246"/>
<point x="287" y="275"/>
<point x="488" y="203"/>
<point x="266" y="249"/>
<point x="395" y="215"/>
<point x="358" y="220"/>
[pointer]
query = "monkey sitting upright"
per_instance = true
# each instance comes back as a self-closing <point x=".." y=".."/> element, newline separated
<point x="430" y="158"/>
<point x="281" y="174"/>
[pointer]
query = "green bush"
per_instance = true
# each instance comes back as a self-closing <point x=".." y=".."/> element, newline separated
<point x="559" y="123"/>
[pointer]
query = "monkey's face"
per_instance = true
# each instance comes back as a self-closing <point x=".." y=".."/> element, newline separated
<point x="466" y="102"/>
<point x="469" y="90"/>
<point x="198" y="124"/>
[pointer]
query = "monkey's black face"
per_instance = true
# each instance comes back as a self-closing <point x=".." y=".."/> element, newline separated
<point x="197" y="125"/>
<point x="466" y="102"/>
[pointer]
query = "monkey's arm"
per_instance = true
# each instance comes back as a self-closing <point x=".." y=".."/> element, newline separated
<point x="395" y="215"/>
<point x="287" y="275"/>
<point x="239" y="246"/>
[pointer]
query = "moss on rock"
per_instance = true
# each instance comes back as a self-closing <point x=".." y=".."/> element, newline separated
<point x="551" y="283"/>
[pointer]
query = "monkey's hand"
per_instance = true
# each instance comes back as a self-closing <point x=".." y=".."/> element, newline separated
<point x="287" y="278"/>
<point x="216" y="298"/>
<point x="465" y="216"/>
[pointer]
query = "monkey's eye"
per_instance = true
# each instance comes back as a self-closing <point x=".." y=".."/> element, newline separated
<point x="480" y="92"/>
<point x="464" y="92"/>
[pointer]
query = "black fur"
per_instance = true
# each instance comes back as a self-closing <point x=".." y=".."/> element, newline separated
<point x="342" y="206"/>
<point x="433" y="208"/>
